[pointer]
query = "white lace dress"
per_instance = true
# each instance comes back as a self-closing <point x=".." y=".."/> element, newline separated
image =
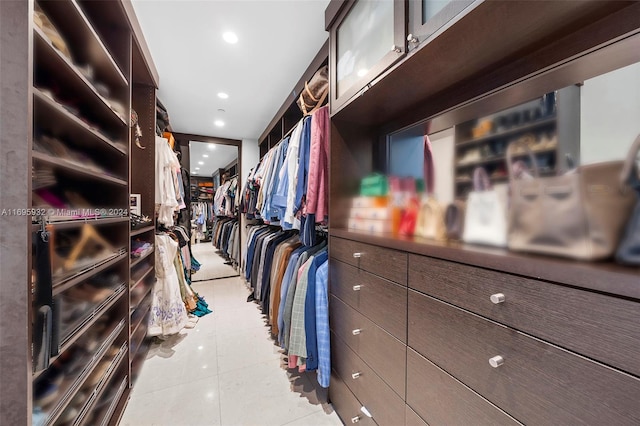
<point x="168" y="313"/>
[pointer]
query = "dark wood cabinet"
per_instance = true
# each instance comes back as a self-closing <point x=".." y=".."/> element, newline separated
<point x="427" y="17"/>
<point x="493" y="337"/>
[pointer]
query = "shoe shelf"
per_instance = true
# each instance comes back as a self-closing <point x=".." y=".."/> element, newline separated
<point x="52" y="62"/>
<point x="53" y="117"/>
<point x="136" y="300"/>
<point x="88" y="48"/>
<point x="503" y="159"/>
<point x="524" y="128"/>
<point x="144" y="230"/>
<point x="110" y="407"/>
<point x="101" y="389"/>
<point x="140" y="314"/>
<point x="86" y="273"/>
<point x="66" y="223"/>
<point x="72" y="386"/>
<point x="144" y="275"/>
<point x="141" y="258"/>
<point x="71" y="168"/>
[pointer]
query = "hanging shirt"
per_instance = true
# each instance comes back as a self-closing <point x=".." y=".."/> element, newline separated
<point x="322" y="325"/>
<point x="303" y="165"/>
<point x="318" y="181"/>
<point x="310" y="311"/>
<point x="289" y="220"/>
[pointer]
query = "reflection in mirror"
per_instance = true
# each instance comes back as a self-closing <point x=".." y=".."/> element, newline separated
<point x="542" y="176"/>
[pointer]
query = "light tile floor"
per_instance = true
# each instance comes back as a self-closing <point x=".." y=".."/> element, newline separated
<point x="225" y="371"/>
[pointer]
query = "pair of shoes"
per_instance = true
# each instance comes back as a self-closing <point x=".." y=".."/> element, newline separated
<point x="139" y="221"/>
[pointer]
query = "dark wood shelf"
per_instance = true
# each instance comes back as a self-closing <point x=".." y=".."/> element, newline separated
<point x="132" y="308"/>
<point x="53" y="117"/>
<point x="605" y="277"/>
<point x="76" y="223"/>
<point x="509" y="132"/>
<point x="75" y="387"/>
<point x="91" y="319"/>
<point x="135" y="232"/>
<point x="119" y="400"/>
<point x="52" y="60"/>
<point x="84" y="42"/>
<point x="502" y="158"/>
<point x="145" y="310"/>
<point x="101" y="387"/>
<point x="142" y="277"/>
<point x="65" y="283"/>
<point x="141" y="258"/>
<point x="72" y="168"/>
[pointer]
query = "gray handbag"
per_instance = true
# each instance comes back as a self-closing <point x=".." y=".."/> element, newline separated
<point x="628" y="252"/>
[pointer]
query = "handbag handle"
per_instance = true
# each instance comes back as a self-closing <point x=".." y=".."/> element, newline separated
<point x="481" y="181"/>
<point x="629" y="174"/>
<point x="429" y="168"/>
<point x="509" y="155"/>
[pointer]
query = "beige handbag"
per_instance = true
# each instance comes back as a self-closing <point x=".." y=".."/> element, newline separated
<point x="430" y="222"/>
<point x="580" y="214"/>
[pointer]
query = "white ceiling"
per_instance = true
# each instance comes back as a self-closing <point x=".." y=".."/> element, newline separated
<point x="277" y="42"/>
<point x="217" y="156"/>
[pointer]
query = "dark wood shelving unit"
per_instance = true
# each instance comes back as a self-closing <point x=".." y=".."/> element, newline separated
<point x="72" y="168"/>
<point x="146" y="229"/>
<point x="509" y="132"/>
<point x="56" y="118"/>
<point x="97" y="221"/>
<point x="141" y="258"/>
<point x="52" y="60"/>
<point x="68" y="282"/>
<point x="143" y="276"/>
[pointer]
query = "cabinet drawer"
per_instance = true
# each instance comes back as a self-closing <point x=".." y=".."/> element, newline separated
<point x="384" y="262"/>
<point x="537" y="383"/>
<point x="386" y="407"/>
<point x="380" y="300"/>
<point x="412" y="419"/>
<point x="346" y="404"/>
<point x="443" y="400"/>
<point x="385" y="354"/>
<point x="601" y="327"/>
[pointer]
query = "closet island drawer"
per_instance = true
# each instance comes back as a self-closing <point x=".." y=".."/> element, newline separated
<point x="442" y="400"/>
<point x="380" y="300"/>
<point x="386" y="407"/>
<point x="599" y="326"/>
<point x="346" y="404"/>
<point x="385" y="354"/>
<point x="533" y="381"/>
<point x="384" y="262"/>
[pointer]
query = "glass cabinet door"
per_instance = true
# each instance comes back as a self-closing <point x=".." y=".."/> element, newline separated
<point x="428" y="16"/>
<point x="367" y="39"/>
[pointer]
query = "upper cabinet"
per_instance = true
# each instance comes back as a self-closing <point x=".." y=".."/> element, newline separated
<point x="426" y="17"/>
<point x="367" y="37"/>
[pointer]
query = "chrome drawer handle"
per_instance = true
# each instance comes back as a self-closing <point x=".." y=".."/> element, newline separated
<point x="355" y="419"/>
<point x="357" y="287"/>
<point x="355" y="375"/>
<point x="497" y="298"/>
<point x="496" y="361"/>
<point x="356" y="331"/>
<point x="357" y="255"/>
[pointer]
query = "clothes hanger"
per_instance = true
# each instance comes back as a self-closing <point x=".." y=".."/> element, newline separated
<point x="89" y="234"/>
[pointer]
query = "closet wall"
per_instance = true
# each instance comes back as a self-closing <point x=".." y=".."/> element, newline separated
<point x="71" y="304"/>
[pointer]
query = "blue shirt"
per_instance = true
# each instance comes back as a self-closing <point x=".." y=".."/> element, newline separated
<point x="303" y="167"/>
<point x="288" y="275"/>
<point x="322" y="324"/>
<point x="310" y="311"/>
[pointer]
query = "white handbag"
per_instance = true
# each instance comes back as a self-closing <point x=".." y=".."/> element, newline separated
<point x="485" y="217"/>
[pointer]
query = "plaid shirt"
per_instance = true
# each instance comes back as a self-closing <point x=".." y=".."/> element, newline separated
<point x="322" y="324"/>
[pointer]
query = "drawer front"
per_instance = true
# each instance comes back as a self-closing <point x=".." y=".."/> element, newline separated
<point x="386" y="407"/>
<point x="380" y="300"/>
<point x="537" y="383"/>
<point x="442" y="400"/>
<point x="385" y="354"/>
<point x="412" y="419"/>
<point x="384" y="262"/>
<point x="346" y="404"/>
<point x="601" y="327"/>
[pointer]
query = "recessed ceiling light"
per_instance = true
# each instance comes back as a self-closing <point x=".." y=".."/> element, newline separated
<point x="201" y="162"/>
<point x="230" y="37"/>
<point x="194" y="173"/>
<point x="211" y="146"/>
<point x="362" y="72"/>
<point x="219" y="123"/>
<point x="205" y="155"/>
<point x="197" y="168"/>
<point x="223" y="95"/>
